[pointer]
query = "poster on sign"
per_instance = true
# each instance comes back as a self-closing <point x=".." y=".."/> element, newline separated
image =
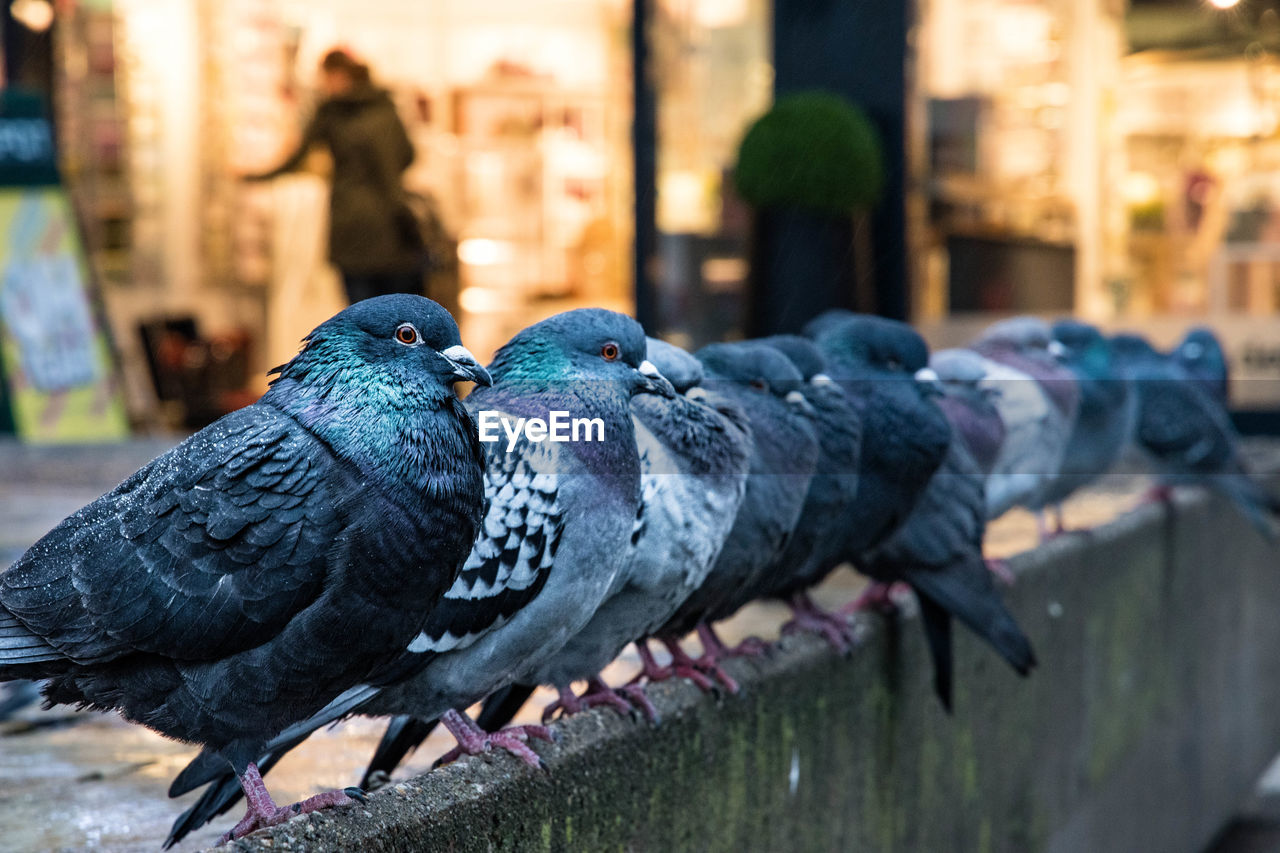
<point x="55" y="356"/>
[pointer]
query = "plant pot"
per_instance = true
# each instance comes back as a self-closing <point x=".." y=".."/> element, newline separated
<point x="804" y="263"/>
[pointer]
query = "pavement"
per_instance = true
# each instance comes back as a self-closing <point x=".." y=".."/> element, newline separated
<point x="100" y="784"/>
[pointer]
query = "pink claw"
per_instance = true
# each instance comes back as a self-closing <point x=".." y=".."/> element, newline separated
<point x="473" y="740"/>
<point x="877" y="596"/>
<point x="597" y="694"/>
<point x="654" y="673"/>
<point x="263" y="812"/>
<point x="809" y="617"/>
<point x="714" y="649"/>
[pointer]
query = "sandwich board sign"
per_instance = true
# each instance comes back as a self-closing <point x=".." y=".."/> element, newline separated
<point x="57" y="382"/>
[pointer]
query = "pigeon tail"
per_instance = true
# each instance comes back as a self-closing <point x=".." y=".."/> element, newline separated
<point x="16" y="696"/>
<point x="501" y="707"/>
<point x="22" y="650"/>
<point x="966" y="592"/>
<point x="404" y="734"/>
<point x="937" y="633"/>
<point x="1250" y="497"/>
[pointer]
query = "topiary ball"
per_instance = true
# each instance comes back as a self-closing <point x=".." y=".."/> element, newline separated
<point x="812" y="150"/>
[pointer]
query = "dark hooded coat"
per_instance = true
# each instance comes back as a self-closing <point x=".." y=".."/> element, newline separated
<point x="370" y="227"/>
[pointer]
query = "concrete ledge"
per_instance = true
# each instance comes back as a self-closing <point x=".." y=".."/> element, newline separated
<point x="1155" y="708"/>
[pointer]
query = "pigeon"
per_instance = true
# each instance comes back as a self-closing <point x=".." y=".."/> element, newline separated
<point x="919" y="516"/>
<point x="968" y="400"/>
<point x="784" y="452"/>
<point x="277" y="558"/>
<point x="695" y="452"/>
<point x="677" y="365"/>
<point x="1185" y="434"/>
<point x="17" y="695"/>
<point x="937" y="552"/>
<point x="559" y="517"/>
<point x="1201" y="356"/>
<point x="813" y="550"/>
<point x="904" y="434"/>
<point x="1038" y="401"/>
<point x="1104" y="420"/>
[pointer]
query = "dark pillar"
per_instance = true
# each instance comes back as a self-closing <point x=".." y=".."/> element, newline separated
<point x="858" y="48"/>
<point x="644" y="141"/>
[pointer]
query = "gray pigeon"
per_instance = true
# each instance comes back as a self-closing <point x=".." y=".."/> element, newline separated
<point x="784" y="451"/>
<point x="695" y="451"/>
<point x="559" y="516"/>
<point x="1037" y="402"/>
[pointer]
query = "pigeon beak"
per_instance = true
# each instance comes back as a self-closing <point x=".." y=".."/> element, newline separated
<point x="799" y="403"/>
<point x="929" y="382"/>
<point x="465" y="365"/>
<point x="654" y="382"/>
<point x="821" y="379"/>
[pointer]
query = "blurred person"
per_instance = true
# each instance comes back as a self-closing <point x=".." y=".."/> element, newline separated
<point x="374" y="240"/>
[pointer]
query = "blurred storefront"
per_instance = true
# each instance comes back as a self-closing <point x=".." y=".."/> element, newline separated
<point x="522" y="116"/>
<point x="1116" y="160"/>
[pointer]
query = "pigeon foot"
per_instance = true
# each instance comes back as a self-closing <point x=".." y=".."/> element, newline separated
<point x="472" y="740"/>
<point x="653" y="672"/>
<point x="877" y="596"/>
<point x="808" y="617"/>
<point x="751" y="647"/>
<point x="263" y="811"/>
<point x="598" y="694"/>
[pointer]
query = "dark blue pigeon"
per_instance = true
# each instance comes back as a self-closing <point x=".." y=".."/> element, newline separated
<point x="676" y="365"/>
<point x="1105" y="417"/>
<point x="920" y="512"/>
<point x="279" y="557"/>
<point x="1185" y="434"/>
<point x="815" y="548"/>
<point x="1201" y="356"/>
<point x="937" y="552"/>
<point x="904" y="434"/>
<point x="784" y="451"/>
<point x="559" y="519"/>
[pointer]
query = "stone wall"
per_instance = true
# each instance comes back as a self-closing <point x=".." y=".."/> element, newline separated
<point x="1155" y="708"/>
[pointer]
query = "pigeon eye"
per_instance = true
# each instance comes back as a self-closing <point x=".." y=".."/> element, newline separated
<point x="893" y="364"/>
<point x="609" y="352"/>
<point x="759" y="385"/>
<point x="407" y="334"/>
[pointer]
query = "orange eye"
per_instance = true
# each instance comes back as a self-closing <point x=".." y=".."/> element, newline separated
<point x="407" y="334"/>
<point x="759" y="385"/>
<point x="609" y="352"/>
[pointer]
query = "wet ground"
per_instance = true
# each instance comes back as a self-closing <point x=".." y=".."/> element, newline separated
<point x="93" y="782"/>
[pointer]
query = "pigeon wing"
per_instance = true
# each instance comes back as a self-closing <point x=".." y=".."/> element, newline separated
<point x="210" y="549"/>
<point x="514" y="552"/>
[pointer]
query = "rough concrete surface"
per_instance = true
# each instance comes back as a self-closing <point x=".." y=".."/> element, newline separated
<point x="1153" y="712"/>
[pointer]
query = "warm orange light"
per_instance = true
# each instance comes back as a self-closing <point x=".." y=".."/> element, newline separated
<point x="1224" y="4"/>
